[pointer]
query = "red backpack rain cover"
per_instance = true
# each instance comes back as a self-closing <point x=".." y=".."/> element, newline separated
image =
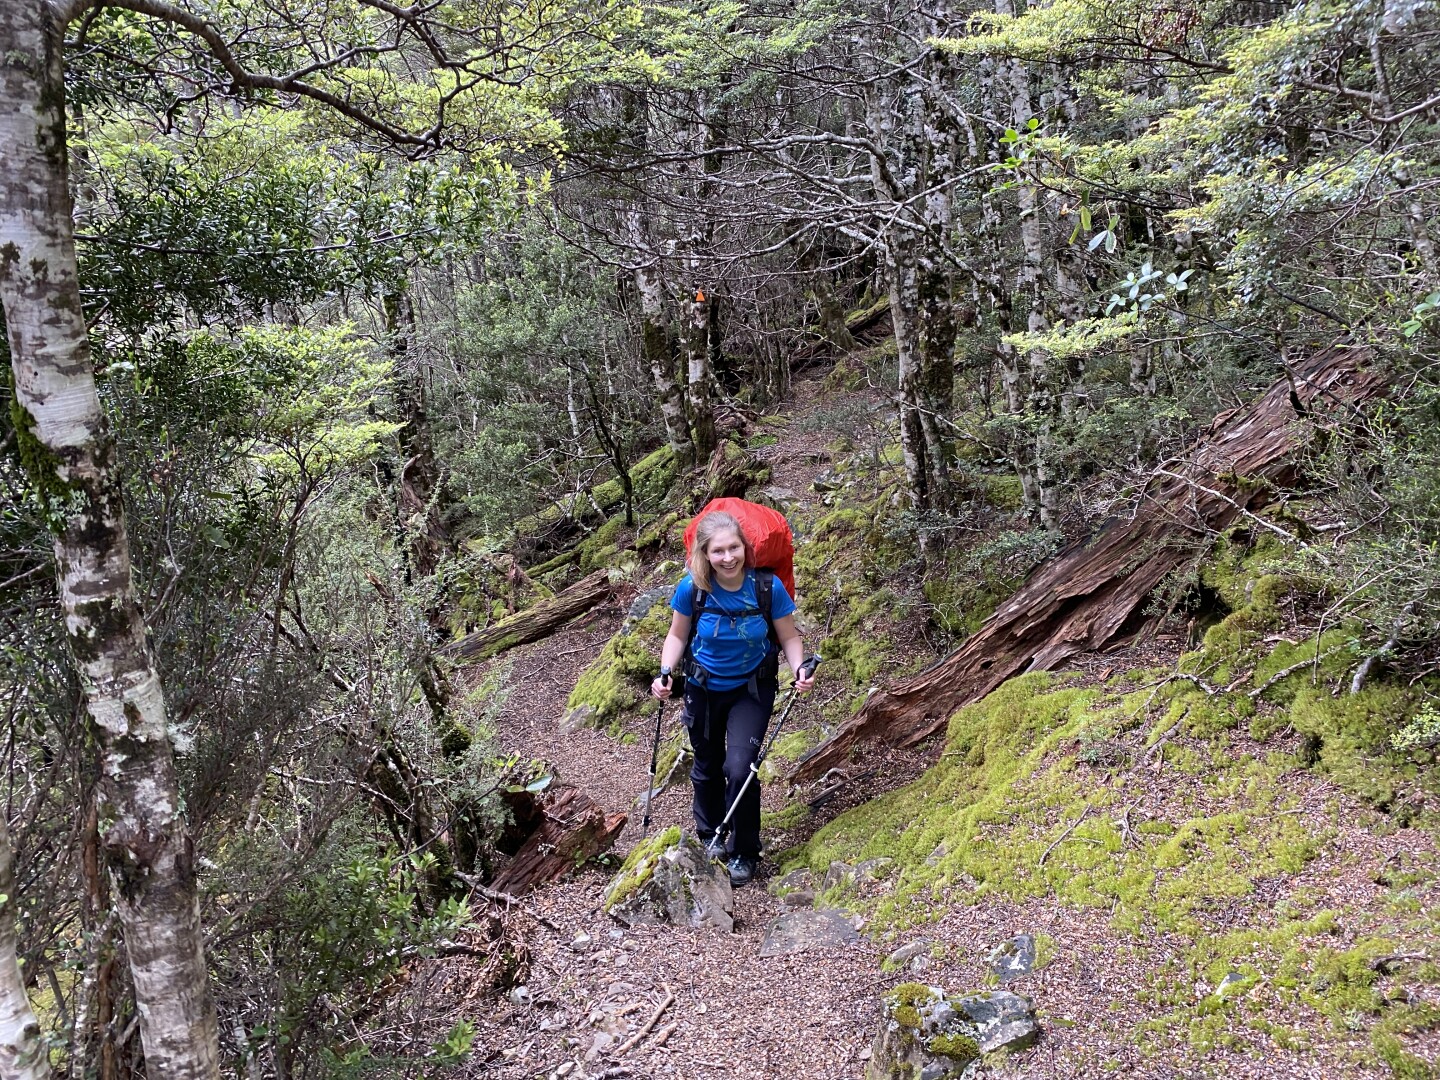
<point x="766" y="529"/>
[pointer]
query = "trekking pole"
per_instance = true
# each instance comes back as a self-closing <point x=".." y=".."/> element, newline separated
<point x="717" y="842"/>
<point x="654" y="764"/>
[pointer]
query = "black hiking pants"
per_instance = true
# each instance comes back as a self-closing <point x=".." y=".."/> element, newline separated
<point x="726" y="729"/>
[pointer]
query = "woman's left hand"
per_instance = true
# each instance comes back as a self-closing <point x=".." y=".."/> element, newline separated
<point x="804" y="680"/>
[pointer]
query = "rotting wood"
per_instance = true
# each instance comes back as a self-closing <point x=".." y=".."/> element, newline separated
<point x="1094" y="594"/>
<point x="573" y="829"/>
<point x="533" y="623"/>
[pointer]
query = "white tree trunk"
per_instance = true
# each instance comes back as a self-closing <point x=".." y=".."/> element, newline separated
<point x="22" y="1050"/>
<point x="68" y="453"/>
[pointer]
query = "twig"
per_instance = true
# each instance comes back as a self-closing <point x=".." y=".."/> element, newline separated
<point x="1083" y="815"/>
<point x="634" y="1040"/>
<point x="664" y="1033"/>
<point x="1285" y="673"/>
<point x="509" y="900"/>
<point x="1363" y="671"/>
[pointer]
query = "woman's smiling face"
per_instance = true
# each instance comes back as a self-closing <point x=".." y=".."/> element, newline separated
<point x="726" y="553"/>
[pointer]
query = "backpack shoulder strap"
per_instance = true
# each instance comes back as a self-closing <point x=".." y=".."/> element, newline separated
<point x="697" y="607"/>
<point x="765" y="598"/>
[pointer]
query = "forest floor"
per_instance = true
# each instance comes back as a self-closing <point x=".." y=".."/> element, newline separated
<point x="593" y="985"/>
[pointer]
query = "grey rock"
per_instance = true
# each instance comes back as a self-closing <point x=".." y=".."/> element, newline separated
<point x="840" y="876"/>
<point x="939" y="853"/>
<point x="797" y="899"/>
<point x="1013" y="959"/>
<point x="582" y="942"/>
<point x="805" y="931"/>
<point x="642" y="604"/>
<point x="679" y="885"/>
<point x="874" y="869"/>
<point x="795" y="880"/>
<point x="928" y="1033"/>
<point x="582" y="716"/>
<point x="905" y="953"/>
<point x="1002" y="1020"/>
<point x="1230" y="985"/>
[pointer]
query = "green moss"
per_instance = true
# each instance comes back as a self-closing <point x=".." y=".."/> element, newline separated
<point x="42" y="465"/>
<point x="639" y="866"/>
<point x="791" y="817"/>
<point x="961" y="1047"/>
<point x="602" y="548"/>
<point x="1005" y="793"/>
<point x="618" y="679"/>
<point x="904" y="1002"/>
<point x="1004" y="492"/>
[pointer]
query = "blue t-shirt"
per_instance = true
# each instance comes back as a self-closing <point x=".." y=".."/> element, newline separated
<point x="727" y="644"/>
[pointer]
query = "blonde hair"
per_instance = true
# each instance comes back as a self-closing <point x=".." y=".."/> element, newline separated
<point x="711" y="526"/>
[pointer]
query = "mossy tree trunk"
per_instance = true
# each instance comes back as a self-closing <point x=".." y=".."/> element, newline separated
<point x="423" y="535"/>
<point x="69" y="456"/>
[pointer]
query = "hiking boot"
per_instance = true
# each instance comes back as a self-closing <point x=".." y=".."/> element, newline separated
<point x="707" y="841"/>
<point x="742" y="869"/>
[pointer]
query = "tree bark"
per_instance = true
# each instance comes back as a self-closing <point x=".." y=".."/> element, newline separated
<point x="22" y="1049"/>
<point x="534" y="623"/>
<point x="573" y="828"/>
<point x="69" y="456"/>
<point x="1095" y="593"/>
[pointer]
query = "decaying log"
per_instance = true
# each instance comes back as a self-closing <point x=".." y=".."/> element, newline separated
<point x="574" y="828"/>
<point x="1094" y="594"/>
<point x="533" y="623"/>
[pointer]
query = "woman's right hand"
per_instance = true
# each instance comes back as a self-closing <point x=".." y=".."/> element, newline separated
<point x="661" y="687"/>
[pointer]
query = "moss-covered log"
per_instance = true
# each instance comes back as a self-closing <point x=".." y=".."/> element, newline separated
<point x="1095" y="593"/>
<point x="534" y="623"/>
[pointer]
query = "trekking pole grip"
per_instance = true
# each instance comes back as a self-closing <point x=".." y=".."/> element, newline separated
<point x="808" y="667"/>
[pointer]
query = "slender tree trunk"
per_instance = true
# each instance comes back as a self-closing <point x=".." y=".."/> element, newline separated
<point x="658" y="346"/>
<point x="700" y="378"/>
<point x="22" y="1050"/>
<point x="68" y="452"/>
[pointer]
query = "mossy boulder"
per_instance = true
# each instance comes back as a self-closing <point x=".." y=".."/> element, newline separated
<point x="616" y="682"/>
<point x="671" y="880"/>
<point x="926" y="1034"/>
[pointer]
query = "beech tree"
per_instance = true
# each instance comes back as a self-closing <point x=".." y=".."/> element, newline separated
<point x="66" y="444"/>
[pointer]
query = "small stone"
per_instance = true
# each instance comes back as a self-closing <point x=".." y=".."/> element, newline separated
<point x="673" y="882"/>
<point x="1013" y="959"/>
<point x="1230" y="985"/>
<point x="906" y="953"/>
<point x="520" y="995"/>
<point x="622" y="960"/>
<point x="797" y="900"/>
<point x="935" y="856"/>
<point x="582" y="716"/>
<point x="582" y="942"/>
<point x="795" y="880"/>
<point x="840" y="876"/>
<point x="874" y="869"/>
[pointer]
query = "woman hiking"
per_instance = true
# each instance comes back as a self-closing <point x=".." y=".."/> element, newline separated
<point x="731" y="677"/>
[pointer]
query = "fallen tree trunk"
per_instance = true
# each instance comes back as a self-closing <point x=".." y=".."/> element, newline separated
<point x="533" y="623"/>
<point x="1094" y="594"/>
<point x="573" y="828"/>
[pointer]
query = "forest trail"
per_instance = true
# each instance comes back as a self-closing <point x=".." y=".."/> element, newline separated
<point x="720" y="1009"/>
